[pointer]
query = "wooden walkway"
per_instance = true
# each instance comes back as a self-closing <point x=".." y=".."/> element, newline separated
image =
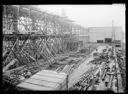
<point x="44" y="80"/>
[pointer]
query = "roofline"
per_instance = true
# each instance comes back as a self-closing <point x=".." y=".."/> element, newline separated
<point x="107" y="27"/>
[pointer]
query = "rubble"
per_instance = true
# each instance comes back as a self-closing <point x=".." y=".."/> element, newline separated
<point x="107" y="76"/>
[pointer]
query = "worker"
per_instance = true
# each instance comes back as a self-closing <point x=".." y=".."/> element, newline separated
<point x="106" y="84"/>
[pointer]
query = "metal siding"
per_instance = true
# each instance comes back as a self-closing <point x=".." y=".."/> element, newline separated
<point x="99" y="33"/>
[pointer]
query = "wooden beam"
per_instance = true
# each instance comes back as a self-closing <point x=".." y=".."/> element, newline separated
<point x="11" y="50"/>
<point x="12" y="70"/>
<point x="8" y="65"/>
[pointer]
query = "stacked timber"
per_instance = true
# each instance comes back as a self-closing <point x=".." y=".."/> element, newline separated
<point x="44" y="80"/>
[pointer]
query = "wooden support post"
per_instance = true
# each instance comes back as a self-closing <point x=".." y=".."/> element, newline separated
<point x="67" y="81"/>
<point x="25" y="43"/>
<point x="8" y="65"/>
<point x="11" y="50"/>
<point x="12" y="70"/>
<point x="39" y="47"/>
<point x="110" y="81"/>
<point x="47" y="50"/>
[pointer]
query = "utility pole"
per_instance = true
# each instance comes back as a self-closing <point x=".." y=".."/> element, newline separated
<point x="113" y="32"/>
<point x="67" y="81"/>
<point x="122" y="40"/>
<point x="88" y="35"/>
<point x="89" y="39"/>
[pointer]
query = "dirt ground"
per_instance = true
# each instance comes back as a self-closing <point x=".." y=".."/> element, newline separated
<point x="75" y="76"/>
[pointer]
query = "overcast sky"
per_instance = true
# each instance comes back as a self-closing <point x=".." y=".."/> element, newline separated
<point x="91" y="15"/>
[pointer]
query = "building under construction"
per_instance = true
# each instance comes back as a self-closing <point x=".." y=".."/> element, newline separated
<point x="43" y="51"/>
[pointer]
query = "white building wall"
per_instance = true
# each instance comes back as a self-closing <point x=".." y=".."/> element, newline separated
<point x="99" y="33"/>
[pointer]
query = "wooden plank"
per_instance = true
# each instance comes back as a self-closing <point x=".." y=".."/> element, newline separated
<point x="54" y="72"/>
<point x="11" y="50"/>
<point x="46" y="78"/>
<point x="8" y="65"/>
<point x="4" y="53"/>
<point x="51" y="75"/>
<point x="12" y="70"/>
<point x="42" y="83"/>
<point x="33" y="87"/>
